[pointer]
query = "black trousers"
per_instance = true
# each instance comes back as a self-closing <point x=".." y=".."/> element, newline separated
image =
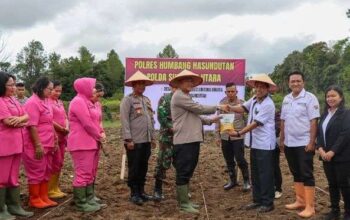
<point x="261" y="164"/>
<point x="185" y="161"/>
<point x="338" y="176"/>
<point x="138" y="164"/>
<point x="277" y="170"/>
<point x="301" y="164"/>
<point x="234" y="149"/>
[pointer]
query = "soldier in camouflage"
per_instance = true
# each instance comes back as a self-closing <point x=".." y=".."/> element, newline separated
<point x="165" y="153"/>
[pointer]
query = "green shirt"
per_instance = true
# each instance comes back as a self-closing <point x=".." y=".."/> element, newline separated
<point x="164" y="118"/>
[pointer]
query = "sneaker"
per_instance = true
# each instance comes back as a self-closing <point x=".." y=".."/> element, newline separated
<point x="278" y="194"/>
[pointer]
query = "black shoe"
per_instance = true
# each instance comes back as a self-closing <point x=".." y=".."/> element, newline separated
<point x="158" y="196"/>
<point x="252" y="206"/>
<point x="246" y="186"/>
<point x="263" y="208"/>
<point x="145" y="197"/>
<point x="334" y="214"/>
<point x="230" y="185"/>
<point x="136" y="200"/>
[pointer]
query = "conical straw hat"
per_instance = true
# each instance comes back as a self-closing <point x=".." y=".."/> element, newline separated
<point x="197" y="80"/>
<point x="138" y="76"/>
<point x="262" y="78"/>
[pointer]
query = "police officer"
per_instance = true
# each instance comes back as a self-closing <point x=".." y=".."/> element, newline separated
<point x="261" y="139"/>
<point x="188" y="133"/>
<point x="300" y="111"/>
<point x="233" y="147"/>
<point x="137" y="121"/>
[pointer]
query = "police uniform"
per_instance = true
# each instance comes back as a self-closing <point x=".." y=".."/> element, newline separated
<point x="136" y="116"/>
<point x="233" y="147"/>
<point x="262" y="141"/>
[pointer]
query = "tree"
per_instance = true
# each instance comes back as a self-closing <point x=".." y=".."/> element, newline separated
<point x="86" y="61"/>
<point x="6" y="66"/>
<point x="168" y="52"/>
<point x="115" y="70"/>
<point x="31" y="63"/>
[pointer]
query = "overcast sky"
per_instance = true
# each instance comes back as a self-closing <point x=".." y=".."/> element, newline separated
<point x="262" y="32"/>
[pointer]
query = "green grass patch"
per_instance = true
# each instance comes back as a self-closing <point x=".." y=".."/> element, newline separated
<point x="111" y="124"/>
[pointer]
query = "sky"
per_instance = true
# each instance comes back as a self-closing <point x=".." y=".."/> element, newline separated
<point x="262" y="32"/>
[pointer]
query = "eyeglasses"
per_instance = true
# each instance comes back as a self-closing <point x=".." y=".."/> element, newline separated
<point x="10" y="85"/>
<point x="231" y="91"/>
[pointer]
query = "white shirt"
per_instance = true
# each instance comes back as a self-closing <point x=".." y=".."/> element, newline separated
<point x="263" y="137"/>
<point x="325" y="123"/>
<point x="297" y="113"/>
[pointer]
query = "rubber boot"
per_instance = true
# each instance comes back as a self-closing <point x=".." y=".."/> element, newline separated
<point x="90" y="197"/>
<point x="54" y="190"/>
<point x="158" y="190"/>
<point x="44" y="194"/>
<point x="4" y="214"/>
<point x="246" y="182"/>
<point x="299" y="195"/>
<point x="233" y="180"/>
<point x="183" y="200"/>
<point x="13" y="202"/>
<point x="80" y="200"/>
<point x="34" y="197"/>
<point x="309" y="202"/>
<point x="95" y="197"/>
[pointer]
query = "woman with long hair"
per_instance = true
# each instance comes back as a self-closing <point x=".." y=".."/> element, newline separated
<point x="333" y="144"/>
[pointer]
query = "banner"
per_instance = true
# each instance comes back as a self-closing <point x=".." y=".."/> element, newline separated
<point x="215" y="73"/>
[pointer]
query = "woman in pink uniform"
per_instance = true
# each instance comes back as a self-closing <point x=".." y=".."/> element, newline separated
<point x="60" y="123"/>
<point x="12" y="120"/>
<point x="83" y="143"/>
<point x="40" y="144"/>
<point x="98" y="92"/>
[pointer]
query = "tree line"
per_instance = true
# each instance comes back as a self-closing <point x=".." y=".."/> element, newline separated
<point x="323" y="65"/>
<point x="32" y="62"/>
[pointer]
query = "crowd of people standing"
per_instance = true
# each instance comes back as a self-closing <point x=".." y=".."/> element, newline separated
<point x="37" y="131"/>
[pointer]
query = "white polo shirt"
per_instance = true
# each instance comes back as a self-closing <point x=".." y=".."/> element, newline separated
<point x="297" y="113"/>
<point x="263" y="137"/>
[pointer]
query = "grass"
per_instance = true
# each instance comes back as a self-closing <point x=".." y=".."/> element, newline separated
<point x="111" y="124"/>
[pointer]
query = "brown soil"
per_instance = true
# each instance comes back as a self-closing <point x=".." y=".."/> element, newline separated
<point x="208" y="178"/>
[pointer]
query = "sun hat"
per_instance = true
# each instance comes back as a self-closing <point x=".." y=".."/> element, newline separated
<point x="262" y="77"/>
<point x="197" y="80"/>
<point x="138" y="76"/>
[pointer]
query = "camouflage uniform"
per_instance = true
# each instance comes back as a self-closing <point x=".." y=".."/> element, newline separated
<point x="165" y="153"/>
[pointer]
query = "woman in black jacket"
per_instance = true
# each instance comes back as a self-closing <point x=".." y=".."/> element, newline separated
<point x="333" y="143"/>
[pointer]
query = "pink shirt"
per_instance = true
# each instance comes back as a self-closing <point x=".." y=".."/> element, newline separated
<point x="11" y="138"/>
<point x="59" y="113"/>
<point x="100" y="116"/>
<point x="41" y="116"/>
<point x="84" y="125"/>
<point x="83" y="115"/>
